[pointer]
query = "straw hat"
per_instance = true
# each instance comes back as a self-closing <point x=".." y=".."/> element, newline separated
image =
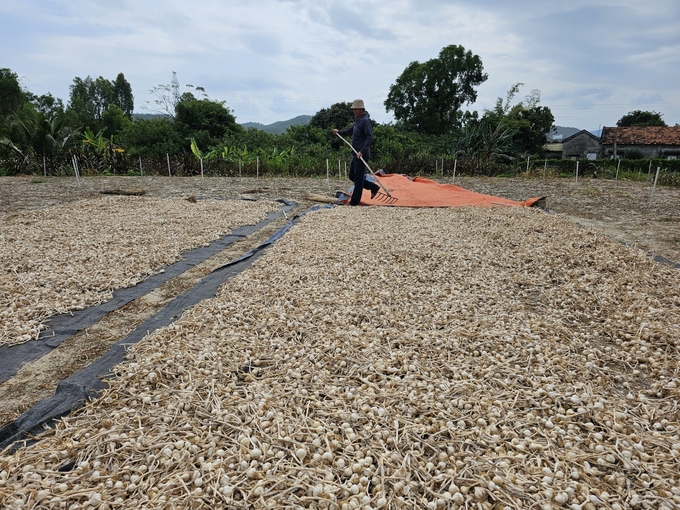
<point x="358" y="103"/>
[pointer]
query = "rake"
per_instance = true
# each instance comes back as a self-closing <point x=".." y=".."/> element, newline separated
<point x="383" y="197"/>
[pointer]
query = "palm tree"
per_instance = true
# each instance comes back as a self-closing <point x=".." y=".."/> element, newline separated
<point x="48" y="136"/>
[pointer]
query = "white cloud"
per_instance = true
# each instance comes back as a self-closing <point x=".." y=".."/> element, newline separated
<point x="275" y="59"/>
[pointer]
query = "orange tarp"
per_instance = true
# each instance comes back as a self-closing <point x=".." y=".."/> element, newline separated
<point x="421" y="192"/>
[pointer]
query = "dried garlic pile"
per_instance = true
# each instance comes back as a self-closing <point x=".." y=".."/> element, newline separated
<point x="73" y="256"/>
<point x="392" y="358"/>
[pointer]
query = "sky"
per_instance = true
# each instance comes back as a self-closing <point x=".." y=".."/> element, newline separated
<point x="593" y="61"/>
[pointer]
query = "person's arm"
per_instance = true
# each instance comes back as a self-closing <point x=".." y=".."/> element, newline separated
<point x="368" y="130"/>
<point x="344" y="132"/>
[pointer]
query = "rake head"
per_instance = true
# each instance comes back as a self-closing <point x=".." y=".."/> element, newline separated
<point x="384" y="197"/>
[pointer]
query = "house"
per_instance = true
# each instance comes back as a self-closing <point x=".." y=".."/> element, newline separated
<point x="581" y="145"/>
<point x="553" y="150"/>
<point x="649" y="141"/>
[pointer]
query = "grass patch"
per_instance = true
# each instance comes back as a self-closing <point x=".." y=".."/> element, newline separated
<point x="38" y="180"/>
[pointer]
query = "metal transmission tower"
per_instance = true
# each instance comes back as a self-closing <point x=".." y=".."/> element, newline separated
<point x="175" y="88"/>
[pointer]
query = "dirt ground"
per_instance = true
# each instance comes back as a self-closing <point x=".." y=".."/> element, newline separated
<point x="624" y="211"/>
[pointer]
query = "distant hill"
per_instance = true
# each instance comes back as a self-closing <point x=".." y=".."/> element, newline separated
<point x="561" y="132"/>
<point x="148" y="116"/>
<point x="281" y="126"/>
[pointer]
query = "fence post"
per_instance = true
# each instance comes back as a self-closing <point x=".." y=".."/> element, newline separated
<point x="141" y="170"/>
<point x="453" y="176"/>
<point x="528" y="160"/>
<point x="167" y="156"/>
<point x="545" y="167"/>
<point x="44" y="166"/>
<point x="577" y="171"/>
<point x="617" y="169"/>
<point x="328" y="176"/>
<point x="201" y="160"/>
<point x="654" y="187"/>
<point x="257" y="171"/>
<point x="75" y="169"/>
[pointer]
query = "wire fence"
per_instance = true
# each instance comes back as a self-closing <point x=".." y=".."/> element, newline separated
<point x="665" y="172"/>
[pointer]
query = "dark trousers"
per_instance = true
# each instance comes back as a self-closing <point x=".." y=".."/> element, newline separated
<point x="357" y="173"/>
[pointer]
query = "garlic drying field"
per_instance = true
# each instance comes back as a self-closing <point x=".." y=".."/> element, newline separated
<point x="392" y="358"/>
<point x="71" y="256"/>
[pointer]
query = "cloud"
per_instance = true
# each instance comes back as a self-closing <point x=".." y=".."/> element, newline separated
<point x="591" y="59"/>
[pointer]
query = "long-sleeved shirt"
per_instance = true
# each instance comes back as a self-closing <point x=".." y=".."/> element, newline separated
<point x="362" y="135"/>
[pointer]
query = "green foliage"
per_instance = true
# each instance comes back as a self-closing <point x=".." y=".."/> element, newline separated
<point x="35" y="133"/>
<point x="122" y="96"/>
<point x="12" y="98"/>
<point x="204" y="120"/>
<point x="114" y="121"/>
<point x="38" y="135"/>
<point x="484" y="144"/>
<point x="149" y="138"/>
<point x="339" y="116"/>
<point x="47" y="104"/>
<point x="427" y="97"/>
<point x="101" y="154"/>
<point x="528" y="122"/>
<point x="90" y="99"/>
<point x="641" y="118"/>
<point x="195" y="150"/>
<point x="392" y="145"/>
<point x="276" y="160"/>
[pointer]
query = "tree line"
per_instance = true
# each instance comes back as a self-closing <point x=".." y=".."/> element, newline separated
<point x="96" y="128"/>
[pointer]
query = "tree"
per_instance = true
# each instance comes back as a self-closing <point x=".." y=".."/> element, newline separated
<point x="122" y="96"/>
<point x="428" y="97"/>
<point x="114" y="120"/>
<point x="528" y="122"/>
<point x="534" y="124"/>
<point x="47" y="104"/>
<point x="640" y="118"/>
<point x="89" y="99"/>
<point x="339" y="115"/>
<point x="204" y="120"/>
<point x="167" y="97"/>
<point x="151" y="138"/>
<point x="12" y="98"/>
<point x="35" y="133"/>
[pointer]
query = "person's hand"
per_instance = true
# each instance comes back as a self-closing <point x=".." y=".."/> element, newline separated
<point x="335" y="131"/>
<point x="359" y="155"/>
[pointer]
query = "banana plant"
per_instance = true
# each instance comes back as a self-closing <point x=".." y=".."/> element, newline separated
<point x="275" y="159"/>
<point x="234" y="155"/>
<point x="195" y="150"/>
<point x="105" y="151"/>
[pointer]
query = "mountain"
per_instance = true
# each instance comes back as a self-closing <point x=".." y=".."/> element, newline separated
<point x="561" y="132"/>
<point x="148" y="116"/>
<point x="281" y="126"/>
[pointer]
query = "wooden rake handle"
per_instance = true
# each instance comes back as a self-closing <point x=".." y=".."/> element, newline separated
<point x="369" y="168"/>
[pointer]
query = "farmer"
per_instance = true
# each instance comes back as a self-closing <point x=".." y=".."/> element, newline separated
<point x="362" y="138"/>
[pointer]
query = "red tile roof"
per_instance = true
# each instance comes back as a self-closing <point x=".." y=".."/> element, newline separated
<point x="652" y="135"/>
